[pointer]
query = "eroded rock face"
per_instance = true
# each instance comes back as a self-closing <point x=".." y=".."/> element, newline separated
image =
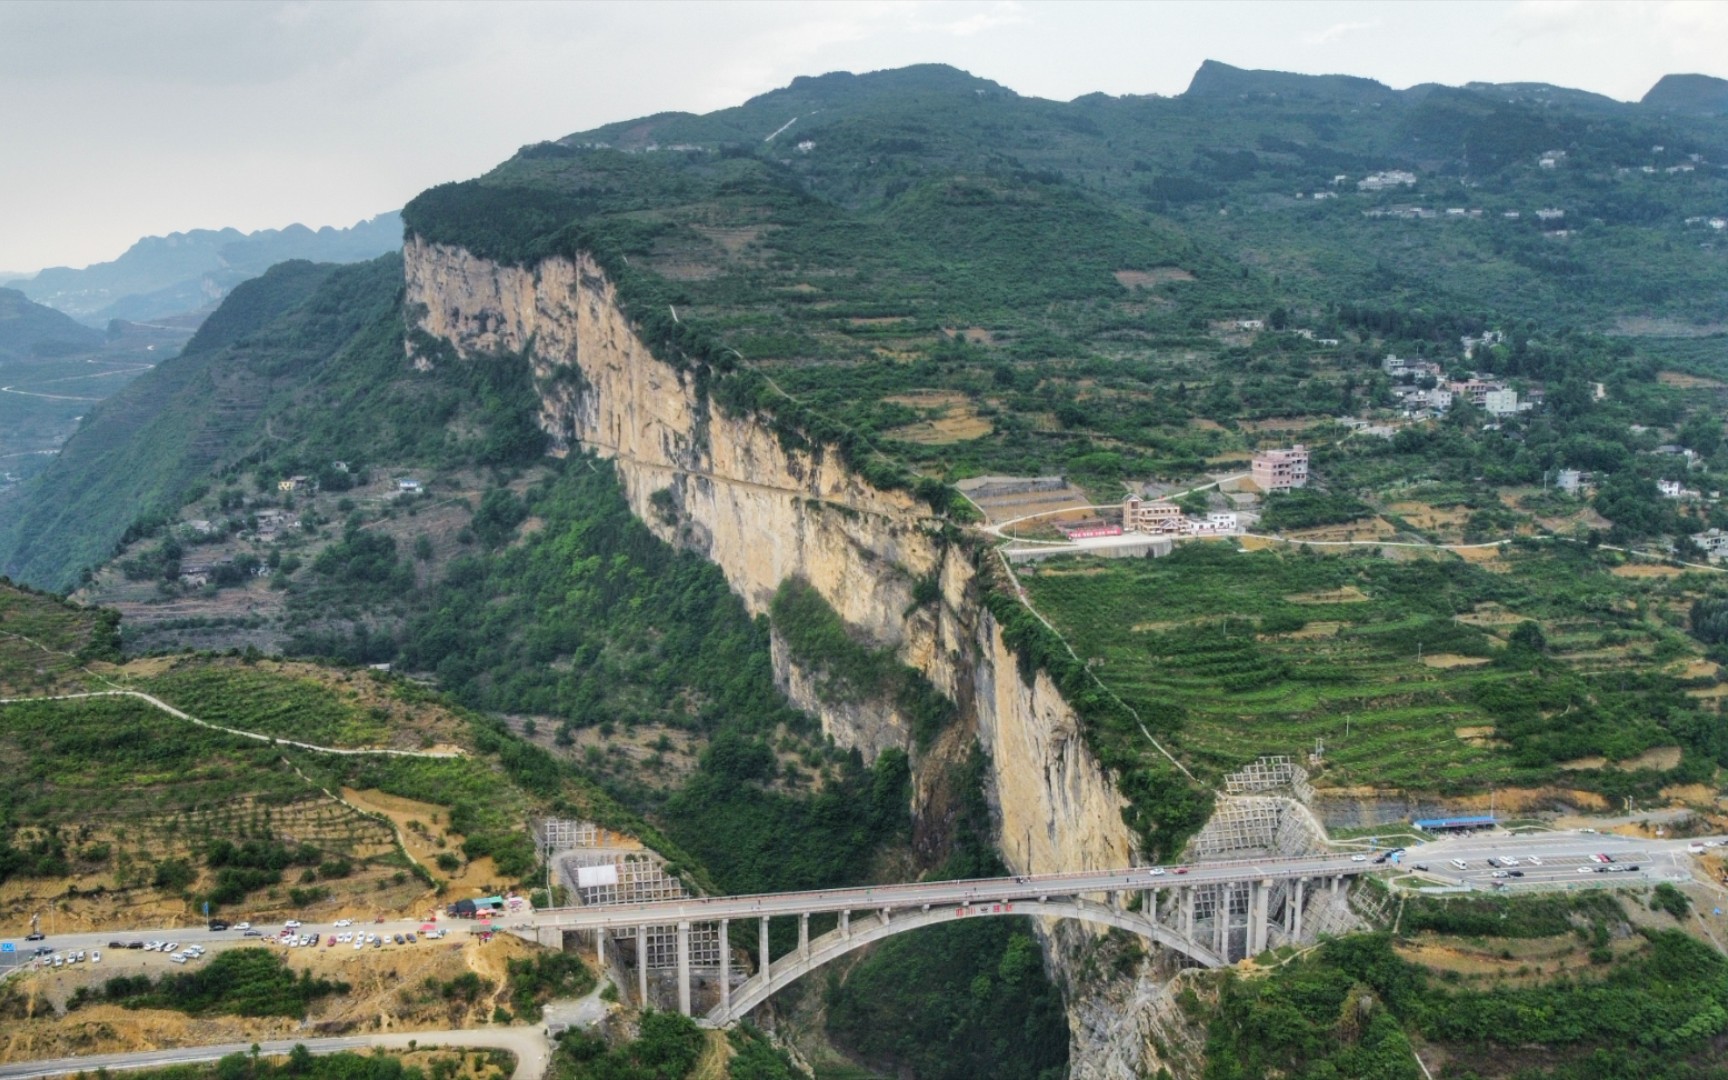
<point x="726" y="487"/>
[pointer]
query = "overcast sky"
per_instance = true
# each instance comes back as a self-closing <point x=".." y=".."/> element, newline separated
<point x="128" y="119"/>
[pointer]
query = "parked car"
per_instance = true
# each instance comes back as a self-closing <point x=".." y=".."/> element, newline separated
<point x="37" y="936"/>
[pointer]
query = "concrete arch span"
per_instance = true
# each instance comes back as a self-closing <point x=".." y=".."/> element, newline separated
<point x="872" y="928"/>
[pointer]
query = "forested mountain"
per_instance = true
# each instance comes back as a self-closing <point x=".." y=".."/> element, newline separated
<point x="933" y="279"/>
<point x="31" y="329"/>
<point x="161" y="276"/>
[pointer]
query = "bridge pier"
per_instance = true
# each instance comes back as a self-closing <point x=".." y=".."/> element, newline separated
<point x="725" y="968"/>
<point x="804" y="937"/>
<point x="1221" y="924"/>
<point x="762" y="949"/>
<point x="1296" y="908"/>
<point x="846" y="925"/>
<point x="642" y="966"/>
<point x="684" y="968"/>
<point x="600" y="949"/>
<point x="1258" y="927"/>
<point x="1188" y="913"/>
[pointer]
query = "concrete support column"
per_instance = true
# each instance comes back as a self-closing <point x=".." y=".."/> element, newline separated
<point x="804" y="937"/>
<point x="600" y="949"/>
<point x="1257" y="933"/>
<point x="1337" y="881"/>
<point x="762" y="949"/>
<point x="884" y="916"/>
<point x="846" y="924"/>
<point x="1188" y="913"/>
<point x="1221" y="924"/>
<point x="1152" y="906"/>
<point x="684" y="968"/>
<point x="1301" y="894"/>
<point x="642" y="966"/>
<point x="1290" y="911"/>
<point x="725" y="969"/>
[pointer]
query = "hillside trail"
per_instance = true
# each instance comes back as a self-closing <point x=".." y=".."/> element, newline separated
<point x="119" y="690"/>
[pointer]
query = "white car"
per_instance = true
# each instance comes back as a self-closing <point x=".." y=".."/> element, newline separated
<point x="177" y="958"/>
<point x="1358" y="858"/>
<point x="359" y="944"/>
<point x="96" y="956"/>
<point x="242" y="926"/>
<point x="1533" y="860"/>
<point x="172" y="946"/>
<point x="1583" y="869"/>
<point x="1156" y="871"/>
<point x="344" y="922"/>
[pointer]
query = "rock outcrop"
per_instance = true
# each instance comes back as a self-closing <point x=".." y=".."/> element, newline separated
<point x="725" y="486"/>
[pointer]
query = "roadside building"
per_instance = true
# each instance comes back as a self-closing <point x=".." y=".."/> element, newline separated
<point x="1088" y="529"/>
<point x="1280" y="470"/>
<point x="1139" y="515"/>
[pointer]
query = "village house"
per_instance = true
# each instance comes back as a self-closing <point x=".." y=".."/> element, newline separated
<point x="1501" y="402"/>
<point x="1571" y="481"/>
<point x="407" y="485"/>
<point x="1139" y="515"/>
<point x="1381" y="181"/>
<point x="294" y="483"/>
<point x="1474" y="389"/>
<point x="1280" y="470"/>
<point x="1713" y="542"/>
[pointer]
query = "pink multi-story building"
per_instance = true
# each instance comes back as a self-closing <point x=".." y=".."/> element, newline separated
<point x="1281" y="470"/>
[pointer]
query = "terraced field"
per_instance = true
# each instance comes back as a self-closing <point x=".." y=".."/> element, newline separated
<point x="1428" y="674"/>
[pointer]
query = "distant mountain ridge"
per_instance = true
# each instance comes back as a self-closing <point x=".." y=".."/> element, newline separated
<point x="29" y="328"/>
<point x="160" y="276"/>
<point x="1700" y="94"/>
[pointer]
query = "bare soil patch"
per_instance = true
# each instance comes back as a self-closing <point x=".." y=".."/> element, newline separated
<point x="1489" y="615"/>
<point x="1349" y="594"/>
<point x="1316" y="630"/>
<point x="421" y="827"/>
<point x="1158" y="275"/>
<point x="1689" y="382"/>
<point x="1646" y="570"/>
<point x="1446" y="661"/>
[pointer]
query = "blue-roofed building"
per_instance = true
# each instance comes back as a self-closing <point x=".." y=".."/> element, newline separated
<point x="1452" y="824"/>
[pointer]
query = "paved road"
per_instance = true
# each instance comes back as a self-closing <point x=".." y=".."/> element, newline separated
<point x="1549" y="859"/>
<point x="532" y="1049"/>
<point x="1558" y="859"/>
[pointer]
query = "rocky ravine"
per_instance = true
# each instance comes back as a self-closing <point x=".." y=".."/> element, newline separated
<point x="725" y="487"/>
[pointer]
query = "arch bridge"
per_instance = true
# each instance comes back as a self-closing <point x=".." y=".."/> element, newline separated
<point x="1213" y="914"/>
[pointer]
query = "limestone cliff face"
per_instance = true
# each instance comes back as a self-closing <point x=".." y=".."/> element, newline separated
<point x="726" y="487"/>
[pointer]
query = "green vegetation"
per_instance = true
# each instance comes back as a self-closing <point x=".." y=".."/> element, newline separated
<point x="1350" y="1009"/>
<point x="755" y="1058"/>
<point x="301" y="367"/>
<point x="302" y="1064"/>
<point x="1306" y="508"/>
<point x="960" y="1000"/>
<point x="1510" y="917"/>
<point x="270" y="702"/>
<point x="1234" y="654"/>
<point x="235" y="982"/>
<point x="45" y="640"/>
<point x="666" y="1049"/>
<point x="537" y="979"/>
<point x="852" y="671"/>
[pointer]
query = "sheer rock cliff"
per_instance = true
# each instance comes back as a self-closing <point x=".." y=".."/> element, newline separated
<point x="725" y="486"/>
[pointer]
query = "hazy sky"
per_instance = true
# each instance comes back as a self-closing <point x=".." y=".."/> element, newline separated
<point x="127" y="119"/>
